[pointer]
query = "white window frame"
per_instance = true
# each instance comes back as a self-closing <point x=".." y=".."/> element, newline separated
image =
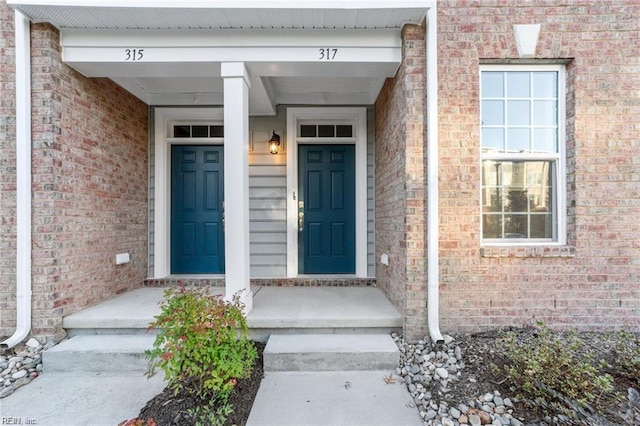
<point x="343" y="115"/>
<point x="558" y="159"/>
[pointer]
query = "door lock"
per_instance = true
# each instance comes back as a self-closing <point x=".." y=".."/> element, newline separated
<point x="300" y="221"/>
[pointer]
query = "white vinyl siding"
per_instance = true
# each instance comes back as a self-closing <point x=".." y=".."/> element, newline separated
<point x="267" y="211"/>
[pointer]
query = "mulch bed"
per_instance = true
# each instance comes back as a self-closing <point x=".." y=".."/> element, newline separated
<point x="171" y="409"/>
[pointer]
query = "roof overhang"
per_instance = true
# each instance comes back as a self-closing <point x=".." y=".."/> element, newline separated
<point x="230" y="14"/>
<point x="94" y="32"/>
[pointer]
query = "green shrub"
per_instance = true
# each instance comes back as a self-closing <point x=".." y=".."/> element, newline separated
<point x="626" y="355"/>
<point x="546" y="365"/>
<point x="202" y="344"/>
<point x="210" y="414"/>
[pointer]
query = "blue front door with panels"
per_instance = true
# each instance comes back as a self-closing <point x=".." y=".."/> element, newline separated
<point x="326" y="209"/>
<point x="197" y="228"/>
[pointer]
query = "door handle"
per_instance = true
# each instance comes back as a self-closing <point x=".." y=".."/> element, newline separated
<point x="300" y="221"/>
<point x="224" y="224"/>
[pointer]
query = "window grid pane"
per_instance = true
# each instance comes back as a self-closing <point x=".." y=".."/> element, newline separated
<point x="517" y="199"/>
<point x="524" y="101"/>
<point x="520" y="155"/>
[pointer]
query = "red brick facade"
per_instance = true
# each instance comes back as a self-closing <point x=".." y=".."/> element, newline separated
<point x="591" y="283"/>
<point x="594" y="282"/>
<point x="89" y="183"/>
<point x="7" y="173"/>
<point x="401" y="185"/>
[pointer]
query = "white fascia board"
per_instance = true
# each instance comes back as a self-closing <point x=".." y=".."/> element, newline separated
<point x="229" y="4"/>
<point x="81" y="37"/>
<point x="140" y="49"/>
<point x="157" y="55"/>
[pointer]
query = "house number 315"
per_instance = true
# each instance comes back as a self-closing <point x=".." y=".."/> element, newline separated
<point x="133" y="54"/>
<point x="327" y="54"/>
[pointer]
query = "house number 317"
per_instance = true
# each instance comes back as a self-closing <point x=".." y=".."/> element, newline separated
<point x="133" y="54"/>
<point x="327" y="54"/>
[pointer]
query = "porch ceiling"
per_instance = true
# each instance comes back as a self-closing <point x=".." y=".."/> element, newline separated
<point x="274" y="80"/>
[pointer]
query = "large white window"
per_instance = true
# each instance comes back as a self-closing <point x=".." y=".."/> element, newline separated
<point x="523" y="154"/>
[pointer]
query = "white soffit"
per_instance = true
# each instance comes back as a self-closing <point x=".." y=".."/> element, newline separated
<point x="211" y="14"/>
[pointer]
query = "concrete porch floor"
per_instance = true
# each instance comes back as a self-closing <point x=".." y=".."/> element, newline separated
<point x="278" y="310"/>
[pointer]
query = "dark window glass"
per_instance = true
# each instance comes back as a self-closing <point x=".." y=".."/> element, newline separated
<point x="216" y="131"/>
<point x="200" y="131"/>
<point x="181" y="131"/>
<point x="344" y="131"/>
<point x="307" y="131"/>
<point x="517" y="199"/>
<point x="325" y="131"/>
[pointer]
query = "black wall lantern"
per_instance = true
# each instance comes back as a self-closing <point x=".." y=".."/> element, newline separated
<point x="274" y="143"/>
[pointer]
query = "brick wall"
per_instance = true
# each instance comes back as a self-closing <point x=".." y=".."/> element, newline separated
<point x="89" y="161"/>
<point x="7" y="173"/>
<point x="401" y="185"/>
<point x="594" y="282"/>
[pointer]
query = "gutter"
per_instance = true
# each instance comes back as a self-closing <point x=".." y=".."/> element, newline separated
<point x="433" y="219"/>
<point x="23" y="181"/>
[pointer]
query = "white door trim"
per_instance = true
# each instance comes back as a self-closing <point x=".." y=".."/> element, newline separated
<point x="162" y="179"/>
<point x="358" y="116"/>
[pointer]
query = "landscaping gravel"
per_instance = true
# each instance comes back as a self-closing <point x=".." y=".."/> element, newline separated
<point x="19" y="367"/>
<point x="429" y="370"/>
<point x="456" y="383"/>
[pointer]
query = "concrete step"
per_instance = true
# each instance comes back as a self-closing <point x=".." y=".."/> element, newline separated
<point x="330" y="352"/>
<point x="99" y="353"/>
<point x="276" y="310"/>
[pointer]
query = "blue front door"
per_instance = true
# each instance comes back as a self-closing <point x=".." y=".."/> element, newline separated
<point x="326" y="208"/>
<point x="197" y="228"/>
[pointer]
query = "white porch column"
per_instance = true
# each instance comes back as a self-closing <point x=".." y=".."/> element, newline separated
<point x="236" y="182"/>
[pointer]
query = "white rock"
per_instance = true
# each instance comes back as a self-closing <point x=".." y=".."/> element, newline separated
<point x="446" y="421"/>
<point x="32" y="343"/>
<point x="6" y="391"/>
<point x="443" y="373"/>
<point x="431" y="414"/>
<point x="458" y="353"/>
<point x="474" y="420"/>
<point x="19" y="374"/>
<point x="455" y="413"/>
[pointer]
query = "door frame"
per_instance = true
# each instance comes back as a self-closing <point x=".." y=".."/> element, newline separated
<point x="160" y="173"/>
<point x="358" y="118"/>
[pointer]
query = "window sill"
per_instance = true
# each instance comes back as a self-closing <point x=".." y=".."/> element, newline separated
<point x="524" y="252"/>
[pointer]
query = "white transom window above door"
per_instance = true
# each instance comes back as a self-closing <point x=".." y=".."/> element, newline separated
<point x="327" y="192"/>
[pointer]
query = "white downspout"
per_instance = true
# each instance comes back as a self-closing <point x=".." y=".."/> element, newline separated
<point x="23" y="181"/>
<point x="433" y="273"/>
